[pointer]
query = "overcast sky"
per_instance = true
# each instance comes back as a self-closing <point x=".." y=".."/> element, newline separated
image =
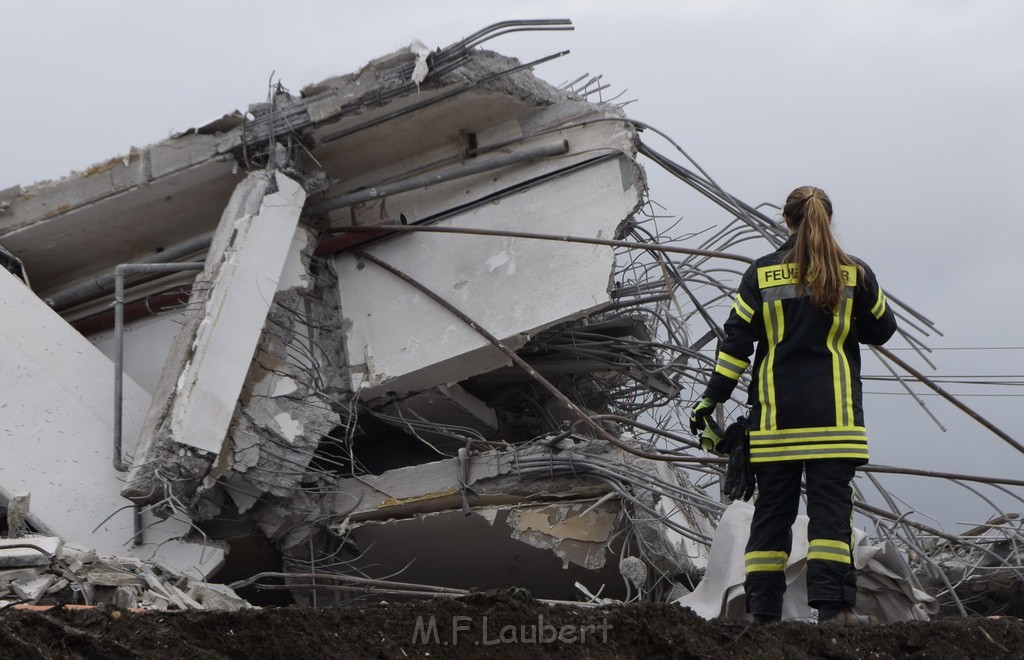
<point x="910" y="114"/>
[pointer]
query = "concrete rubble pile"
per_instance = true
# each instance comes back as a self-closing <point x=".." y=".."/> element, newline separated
<point x="983" y="571"/>
<point x="42" y="570"/>
<point x="435" y="342"/>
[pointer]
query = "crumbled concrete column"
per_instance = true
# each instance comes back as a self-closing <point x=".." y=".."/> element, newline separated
<point x="187" y="424"/>
<point x="283" y="411"/>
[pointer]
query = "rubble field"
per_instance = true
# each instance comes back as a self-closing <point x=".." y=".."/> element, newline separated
<point x="491" y="624"/>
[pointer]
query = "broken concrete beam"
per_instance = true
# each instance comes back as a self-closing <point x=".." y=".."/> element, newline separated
<point x="236" y="310"/>
<point x="12" y="556"/>
<point x="196" y="398"/>
<point x="105" y="574"/>
<point x="436" y="486"/>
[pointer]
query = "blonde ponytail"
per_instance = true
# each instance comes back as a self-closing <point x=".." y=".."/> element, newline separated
<point x="817" y="254"/>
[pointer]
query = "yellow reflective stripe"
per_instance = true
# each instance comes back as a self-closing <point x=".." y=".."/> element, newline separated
<point x="805" y="444"/>
<point x="760" y="436"/>
<point x="727" y="372"/>
<point x="729" y="366"/>
<point x="879" y="307"/>
<point x="743" y="310"/>
<point x="818" y="544"/>
<point x="828" y="556"/>
<point x="841" y="380"/>
<point x="765" y="560"/>
<point x="829" y="550"/>
<point x="775" y="456"/>
<point x="846" y="311"/>
<point x="775" y="326"/>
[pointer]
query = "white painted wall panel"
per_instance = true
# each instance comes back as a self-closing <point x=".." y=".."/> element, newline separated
<point x="56" y="433"/>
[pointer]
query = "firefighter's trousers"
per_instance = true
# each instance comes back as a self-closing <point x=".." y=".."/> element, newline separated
<point x="831" y="576"/>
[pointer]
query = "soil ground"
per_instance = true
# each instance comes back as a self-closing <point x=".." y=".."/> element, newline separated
<point x="497" y="625"/>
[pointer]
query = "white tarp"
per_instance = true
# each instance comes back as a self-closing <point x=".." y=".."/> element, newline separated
<point x="884" y="588"/>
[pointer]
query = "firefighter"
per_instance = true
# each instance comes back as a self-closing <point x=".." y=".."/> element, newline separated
<point x="806" y="307"/>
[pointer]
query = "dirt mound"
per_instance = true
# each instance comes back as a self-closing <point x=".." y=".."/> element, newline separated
<point x="492" y="625"/>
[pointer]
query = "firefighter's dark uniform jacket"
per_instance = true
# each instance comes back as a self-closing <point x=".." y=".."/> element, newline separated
<point x="805" y="390"/>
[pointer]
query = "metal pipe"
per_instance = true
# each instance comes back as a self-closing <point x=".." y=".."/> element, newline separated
<point x="119" y="274"/>
<point x="141" y="308"/>
<point x="651" y="247"/>
<point x="102" y="284"/>
<point x="478" y="166"/>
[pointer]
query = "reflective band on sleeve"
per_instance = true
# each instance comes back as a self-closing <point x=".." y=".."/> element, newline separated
<point x="729" y="366"/>
<point x="765" y="560"/>
<point x="743" y="310"/>
<point x="829" y="550"/>
<point x="879" y="307"/>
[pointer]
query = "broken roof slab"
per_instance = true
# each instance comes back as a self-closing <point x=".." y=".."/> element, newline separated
<point x="128" y="207"/>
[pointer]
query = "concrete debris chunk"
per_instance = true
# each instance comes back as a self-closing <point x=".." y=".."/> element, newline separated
<point x="31" y="590"/>
<point x="126" y="582"/>
<point x="126" y="598"/>
<point x="16" y="552"/>
<point x="11" y="574"/>
<point x="217" y="597"/>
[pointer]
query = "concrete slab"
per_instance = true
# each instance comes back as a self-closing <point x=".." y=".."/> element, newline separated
<point x="57" y="433"/>
<point x="16" y="557"/>
<point x="538" y="283"/>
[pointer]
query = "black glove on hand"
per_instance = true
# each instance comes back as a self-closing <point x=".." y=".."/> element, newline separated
<point x="739" y="474"/>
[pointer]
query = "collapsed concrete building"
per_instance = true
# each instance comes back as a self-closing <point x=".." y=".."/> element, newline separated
<point x="414" y="330"/>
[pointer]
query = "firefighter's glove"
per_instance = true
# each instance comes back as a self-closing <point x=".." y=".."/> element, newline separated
<point x="711" y="436"/>
<point x="699" y="423"/>
<point x="739" y="474"/>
